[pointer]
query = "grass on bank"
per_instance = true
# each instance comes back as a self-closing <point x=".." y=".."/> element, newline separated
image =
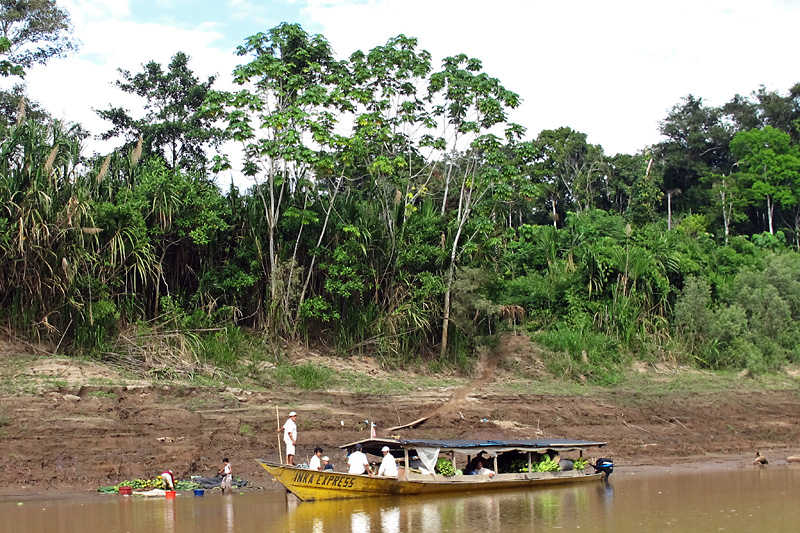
<point x="567" y="362"/>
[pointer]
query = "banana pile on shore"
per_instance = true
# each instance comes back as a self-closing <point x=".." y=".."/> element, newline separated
<point x="149" y="484"/>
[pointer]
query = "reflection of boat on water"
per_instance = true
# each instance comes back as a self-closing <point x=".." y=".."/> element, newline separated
<point x="420" y="458"/>
<point x="490" y="512"/>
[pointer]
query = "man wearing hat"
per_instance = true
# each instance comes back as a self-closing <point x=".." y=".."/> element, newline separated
<point x="358" y="462"/>
<point x="388" y="464"/>
<point x="326" y="463"/>
<point x="290" y="436"/>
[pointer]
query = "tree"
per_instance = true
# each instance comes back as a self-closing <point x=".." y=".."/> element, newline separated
<point x="173" y="127"/>
<point x="15" y="106"/>
<point x="771" y="162"/>
<point x="569" y="168"/>
<point x="471" y="104"/>
<point x="766" y="108"/>
<point x="283" y="116"/>
<point x="633" y="186"/>
<point x="728" y="199"/>
<point x="32" y="31"/>
<point x="697" y="143"/>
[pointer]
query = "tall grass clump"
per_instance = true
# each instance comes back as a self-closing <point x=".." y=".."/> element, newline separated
<point x="582" y="354"/>
<point x="307" y="376"/>
<point x="225" y="348"/>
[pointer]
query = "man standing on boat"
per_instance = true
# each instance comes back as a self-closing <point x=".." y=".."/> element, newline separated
<point x="358" y="462"/>
<point x="388" y="464"/>
<point x="290" y="437"/>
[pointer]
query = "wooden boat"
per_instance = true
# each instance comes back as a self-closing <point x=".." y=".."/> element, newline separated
<point x="419" y="458"/>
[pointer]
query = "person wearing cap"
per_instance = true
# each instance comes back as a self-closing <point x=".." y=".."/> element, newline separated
<point x="289" y="429"/>
<point x="314" y="463"/>
<point x="326" y="463"/>
<point x="388" y="464"/>
<point x="358" y="462"/>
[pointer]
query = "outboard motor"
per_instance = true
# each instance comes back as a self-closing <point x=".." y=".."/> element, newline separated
<point x="604" y="465"/>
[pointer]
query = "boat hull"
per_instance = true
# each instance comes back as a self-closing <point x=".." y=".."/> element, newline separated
<point x="309" y="485"/>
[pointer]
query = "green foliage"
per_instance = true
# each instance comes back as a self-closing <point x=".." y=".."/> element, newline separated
<point x="546" y="464"/>
<point x="578" y="352"/>
<point x="33" y="32"/>
<point x="226" y="348"/>
<point x="395" y="212"/>
<point x="445" y="467"/>
<point x="173" y="129"/>
<point x="752" y="326"/>
<point x="308" y="376"/>
<point x="99" y="327"/>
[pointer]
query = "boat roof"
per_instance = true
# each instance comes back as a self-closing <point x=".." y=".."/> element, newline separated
<point x="374" y="445"/>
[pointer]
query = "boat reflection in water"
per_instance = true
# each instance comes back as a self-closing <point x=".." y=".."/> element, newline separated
<point x="486" y="512"/>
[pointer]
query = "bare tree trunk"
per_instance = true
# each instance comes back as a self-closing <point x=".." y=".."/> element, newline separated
<point x="770" y="214"/>
<point x="669" y="210"/>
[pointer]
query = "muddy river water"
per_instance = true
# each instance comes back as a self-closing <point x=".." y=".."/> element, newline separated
<point x="740" y="500"/>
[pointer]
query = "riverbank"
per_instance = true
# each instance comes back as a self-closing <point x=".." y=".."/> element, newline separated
<point x="70" y="425"/>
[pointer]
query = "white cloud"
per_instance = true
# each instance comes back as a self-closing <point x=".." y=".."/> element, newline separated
<point x="72" y="87"/>
<point x="609" y="69"/>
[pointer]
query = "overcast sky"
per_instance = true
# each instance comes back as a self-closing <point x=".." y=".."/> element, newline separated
<point x="611" y="69"/>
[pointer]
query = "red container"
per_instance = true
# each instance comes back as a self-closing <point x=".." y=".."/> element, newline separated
<point x="170" y="494"/>
<point x="127" y="491"/>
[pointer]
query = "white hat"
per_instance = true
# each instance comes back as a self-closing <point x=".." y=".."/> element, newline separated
<point x="385" y="449"/>
<point x="326" y="458"/>
<point x="292" y="414"/>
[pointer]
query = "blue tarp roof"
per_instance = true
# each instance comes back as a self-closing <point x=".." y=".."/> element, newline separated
<point x="375" y="444"/>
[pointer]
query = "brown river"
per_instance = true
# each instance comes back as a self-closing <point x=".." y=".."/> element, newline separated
<point x="741" y="500"/>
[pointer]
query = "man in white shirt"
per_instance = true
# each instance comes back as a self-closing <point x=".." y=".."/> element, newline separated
<point x="388" y="464"/>
<point x="290" y="437"/>
<point x="482" y="470"/>
<point x="315" y="463"/>
<point x="358" y="462"/>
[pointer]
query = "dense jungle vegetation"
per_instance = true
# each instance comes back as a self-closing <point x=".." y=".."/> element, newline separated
<point x="394" y="211"/>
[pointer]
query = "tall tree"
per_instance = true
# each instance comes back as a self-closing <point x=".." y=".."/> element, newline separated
<point x="697" y="144"/>
<point x="283" y="116"/>
<point x="769" y="160"/>
<point x="173" y="126"/>
<point x="766" y="108"/>
<point x="728" y="200"/>
<point x="569" y="168"/>
<point x="32" y="31"/>
<point x="471" y="104"/>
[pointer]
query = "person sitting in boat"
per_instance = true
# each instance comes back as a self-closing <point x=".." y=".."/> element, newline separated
<point x="326" y="463"/>
<point x="480" y="469"/>
<point x="388" y="464"/>
<point x="358" y="462"/>
<point x="315" y="463"/>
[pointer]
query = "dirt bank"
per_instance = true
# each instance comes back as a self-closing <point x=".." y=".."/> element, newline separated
<point x="70" y="425"/>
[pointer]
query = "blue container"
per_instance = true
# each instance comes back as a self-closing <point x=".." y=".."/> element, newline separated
<point x="199" y="492"/>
